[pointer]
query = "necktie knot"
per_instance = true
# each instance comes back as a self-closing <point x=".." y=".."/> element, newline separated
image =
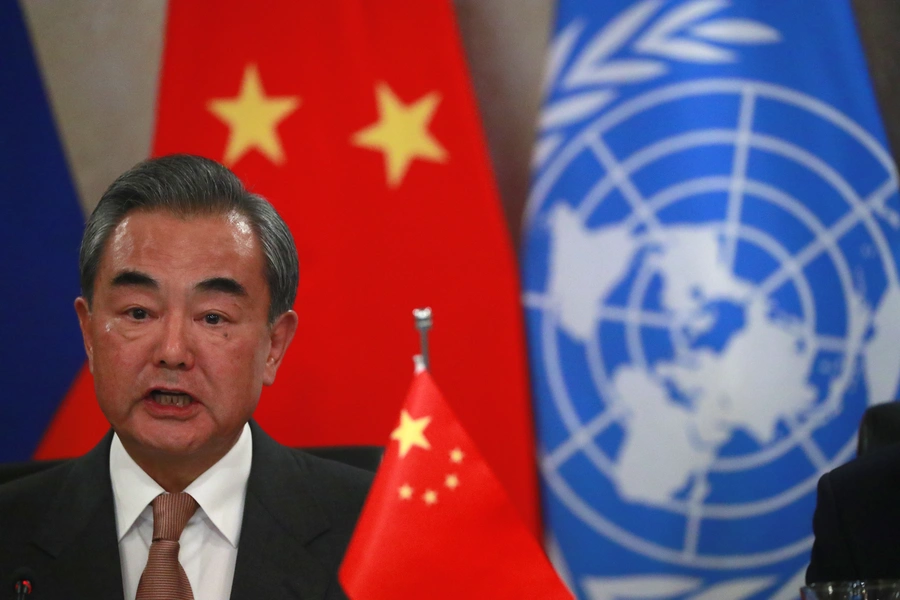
<point x="171" y="512"/>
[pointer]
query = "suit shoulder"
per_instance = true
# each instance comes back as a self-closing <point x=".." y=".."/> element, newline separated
<point x="859" y="488"/>
<point x="867" y="472"/>
<point x="23" y="502"/>
<point x="856" y="520"/>
<point x="339" y="490"/>
<point x="339" y="479"/>
<point x="34" y="486"/>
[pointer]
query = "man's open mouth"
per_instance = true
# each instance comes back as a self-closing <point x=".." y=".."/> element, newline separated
<point x="167" y="398"/>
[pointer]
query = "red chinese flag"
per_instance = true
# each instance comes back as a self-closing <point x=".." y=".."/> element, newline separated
<point x="437" y="524"/>
<point x="357" y="120"/>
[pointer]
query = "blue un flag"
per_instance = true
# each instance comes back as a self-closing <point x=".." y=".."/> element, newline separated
<point x="711" y="285"/>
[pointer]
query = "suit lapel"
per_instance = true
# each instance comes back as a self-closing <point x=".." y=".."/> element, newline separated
<point x="79" y="532"/>
<point x="281" y="516"/>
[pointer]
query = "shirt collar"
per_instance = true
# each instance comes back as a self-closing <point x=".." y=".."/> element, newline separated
<point x="220" y="491"/>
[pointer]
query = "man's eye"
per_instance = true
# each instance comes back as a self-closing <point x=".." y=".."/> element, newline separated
<point x="138" y="314"/>
<point x="212" y="319"/>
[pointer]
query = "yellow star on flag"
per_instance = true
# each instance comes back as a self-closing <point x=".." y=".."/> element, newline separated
<point x="253" y="119"/>
<point x="401" y="132"/>
<point x="451" y="481"/>
<point x="411" y="432"/>
<point x="456" y="455"/>
<point x="430" y="497"/>
<point x="405" y="491"/>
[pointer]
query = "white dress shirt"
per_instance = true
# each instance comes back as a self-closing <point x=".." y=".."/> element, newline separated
<point x="209" y="543"/>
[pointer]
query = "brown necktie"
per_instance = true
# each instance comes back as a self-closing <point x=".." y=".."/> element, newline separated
<point x="163" y="577"/>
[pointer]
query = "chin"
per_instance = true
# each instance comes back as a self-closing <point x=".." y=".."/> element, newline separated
<point x="171" y="441"/>
<point x="171" y="448"/>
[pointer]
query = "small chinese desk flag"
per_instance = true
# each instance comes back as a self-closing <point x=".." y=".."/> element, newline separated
<point x="437" y="523"/>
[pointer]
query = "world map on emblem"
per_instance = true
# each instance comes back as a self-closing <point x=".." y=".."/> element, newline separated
<point x="712" y="304"/>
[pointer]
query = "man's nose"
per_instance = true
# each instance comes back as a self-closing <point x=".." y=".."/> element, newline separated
<point x="174" y="350"/>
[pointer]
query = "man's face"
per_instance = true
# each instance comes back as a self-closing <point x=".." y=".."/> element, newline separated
<point x="177" y="335"/>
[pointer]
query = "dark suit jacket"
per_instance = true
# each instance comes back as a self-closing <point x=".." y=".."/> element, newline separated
<point x="857" y="520"/>
<point x="298" y="518"/>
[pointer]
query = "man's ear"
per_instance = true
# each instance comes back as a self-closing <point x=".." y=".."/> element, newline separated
<point x="84" y="321"/>
<point x="281" y="333"/>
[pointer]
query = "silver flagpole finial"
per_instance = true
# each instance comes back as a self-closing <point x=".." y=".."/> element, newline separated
<point x="422" y="317"/>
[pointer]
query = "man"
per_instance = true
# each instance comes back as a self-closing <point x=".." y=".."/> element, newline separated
<point x="857" y="520"/>
<point x="187" y="286"/>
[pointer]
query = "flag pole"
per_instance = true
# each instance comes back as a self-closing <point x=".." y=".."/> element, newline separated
<point x="422" y="317"/>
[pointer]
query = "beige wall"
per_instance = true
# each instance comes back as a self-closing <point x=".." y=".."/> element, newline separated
<point x="879" y="27"/>
<point x="99" y="60"/>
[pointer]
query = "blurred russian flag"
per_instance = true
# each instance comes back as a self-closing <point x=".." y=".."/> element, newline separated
<point x="40" y="230"/>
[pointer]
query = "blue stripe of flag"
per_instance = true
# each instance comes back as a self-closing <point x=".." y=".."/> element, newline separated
<point x="40" y="230"/>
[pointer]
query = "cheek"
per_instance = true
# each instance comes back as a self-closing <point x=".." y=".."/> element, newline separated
<point x="237" y="360"/>
<point x="117" y="369"/>
<point x="122" y="342"/>
<point x="112" y="348"/>
<point x="121" y="355"/>
<point x="117" y="330"/>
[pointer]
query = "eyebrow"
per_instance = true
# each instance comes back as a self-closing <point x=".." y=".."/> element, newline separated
<point x="213" y="284"/>
<point x="222" y="284"/>
<point x="134" y="278"/>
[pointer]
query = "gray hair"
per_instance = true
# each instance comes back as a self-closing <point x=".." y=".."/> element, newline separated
<point x="185" y="185"/>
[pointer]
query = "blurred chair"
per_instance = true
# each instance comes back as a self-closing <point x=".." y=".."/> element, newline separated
<point x="879" y="427"/>
<point x="364" y="457"/>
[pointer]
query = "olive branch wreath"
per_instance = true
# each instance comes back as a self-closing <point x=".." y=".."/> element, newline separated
<point x="635" y="47"/>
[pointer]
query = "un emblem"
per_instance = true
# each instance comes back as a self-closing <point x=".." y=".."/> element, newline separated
<point x="712" y="302"/>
